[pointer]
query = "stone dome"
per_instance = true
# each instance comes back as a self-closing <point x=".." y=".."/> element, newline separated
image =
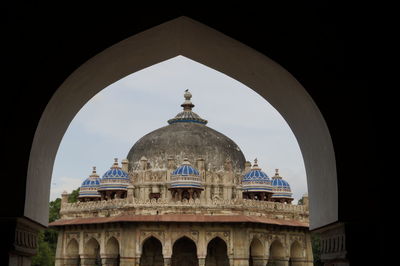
<point x="186" y="136"/>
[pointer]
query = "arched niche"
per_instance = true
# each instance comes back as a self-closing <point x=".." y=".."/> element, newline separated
<point x="91" y="252"/>
<point x="111" y="252"/>
<point x="277" y="253"/>
<point x="257" y="254"/>
<point x="72" y="253"/>
<point x="151" y="253"/>
<point x="184" y="36"/>
<point x="217" y="253"/>
<point x="297" y="254"/>
<point x="184" y="253"/>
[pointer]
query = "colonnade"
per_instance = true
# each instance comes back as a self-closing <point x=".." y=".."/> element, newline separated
<point x="154" y="248"/>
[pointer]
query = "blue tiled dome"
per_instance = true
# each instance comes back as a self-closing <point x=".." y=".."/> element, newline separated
<point x="281" y="188"/>
<point x="115" y="173"/>
<point x="185" y="170"/>
<point x="186" y="176"/>
<point x="114" y="179"/>
<point x="255" y="174"/>
<point x="280" y="183"/>
<point x="256" y="180"/>
<point x="90" y="186"/>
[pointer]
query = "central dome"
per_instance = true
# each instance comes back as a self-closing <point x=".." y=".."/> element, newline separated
<point x="186" y="136"/>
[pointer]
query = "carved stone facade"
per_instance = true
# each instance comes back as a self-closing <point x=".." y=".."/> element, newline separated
<point x="244" y="244"/>
<point x="188" y="198"/>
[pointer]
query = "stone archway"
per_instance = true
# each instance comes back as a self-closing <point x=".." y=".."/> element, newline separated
<point x="184" y="253"/>
<point x="91" y="255"/>
<point x="297" y="255"/>
<point x="151" y="253"/>
<point x="72" y="253"/>
<point x="217" y="253"/>
<point x="277" y="254"/>
<point x="111" y="256"/>
<point x="200" y="43"/>
<point x="257" y="255"/>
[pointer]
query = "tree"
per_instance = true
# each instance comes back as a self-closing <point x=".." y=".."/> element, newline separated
<point x="300" y="202"/>
<point x="45" y="255"/>
<point x="54" y="210"/>
<point x="73" y="197"/>
<point x="316" y="247"/>
<point x="47" y="241"/>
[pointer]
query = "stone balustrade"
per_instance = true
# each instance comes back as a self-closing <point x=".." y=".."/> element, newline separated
<point x="232" y="206"/>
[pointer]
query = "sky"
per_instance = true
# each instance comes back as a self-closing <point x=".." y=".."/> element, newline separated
<point x="118" y="116"/>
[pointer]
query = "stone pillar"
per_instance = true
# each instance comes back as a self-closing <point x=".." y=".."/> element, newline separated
<point x="259" y="261"/>
<point x="309" y="253"/>
<point x="167" y="261"/>
<point x="240" y="246"/>
<point x="125" y="164"/>
<point x="208" y="193"/>
<point x="23" y="234"/>
<point x="109" y="260"/>
<point x="128" y="246"/>
<point x="88" y="260"/>
<point x="280" y="261"/>
<point x="202" y="261"/>
<point x="64" y="198"/>
<point x="60" y="248"/>
<point x="130" y="194"/>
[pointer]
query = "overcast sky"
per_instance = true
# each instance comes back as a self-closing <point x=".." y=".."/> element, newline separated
<point x="113" y="120"/>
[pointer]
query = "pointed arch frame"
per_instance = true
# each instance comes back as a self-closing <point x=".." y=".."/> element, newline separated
<point x="184" y="36"/>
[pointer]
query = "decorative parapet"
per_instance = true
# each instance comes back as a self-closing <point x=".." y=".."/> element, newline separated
<point x="165" y="206"/>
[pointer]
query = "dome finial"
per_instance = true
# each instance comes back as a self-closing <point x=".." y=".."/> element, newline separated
<point x="187" y="116"/>
<point x="94" y="170"/>
<point x="115" y="164"/>
<point x="187" y="105"/>
<point x="277" y="176"/>
<point x="255" y="165"/>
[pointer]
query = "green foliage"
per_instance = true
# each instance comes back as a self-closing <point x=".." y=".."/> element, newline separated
<point x="316" y="247"/>
<point x="45" y="255"/>
<point x="54" y="210"/>
<point x="73" y="197"/>
<point x="47" y="241"/>
<point x="300" y="202"/>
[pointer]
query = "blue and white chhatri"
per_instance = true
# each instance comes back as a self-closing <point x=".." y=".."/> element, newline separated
<point x="256" y="180"/>
<point x="186" y="176"/>
<point x="114" y="179"/>
<point x="89" y="187"/>
<point x="281" y="188"/>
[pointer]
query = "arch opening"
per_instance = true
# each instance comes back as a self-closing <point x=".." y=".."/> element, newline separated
<point x="72" y="251"/>
<point x="91" y="254"/>
<point x="277" y="254"/>
<point x="210" y="48"/>
<point x="256" y="253"/>
<point x="184" y="253"/>
<point x="217" y="253"/>
<point x="296" y="254"/>
<point x="112" y="254"/>
<point x="151" y="253"/>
